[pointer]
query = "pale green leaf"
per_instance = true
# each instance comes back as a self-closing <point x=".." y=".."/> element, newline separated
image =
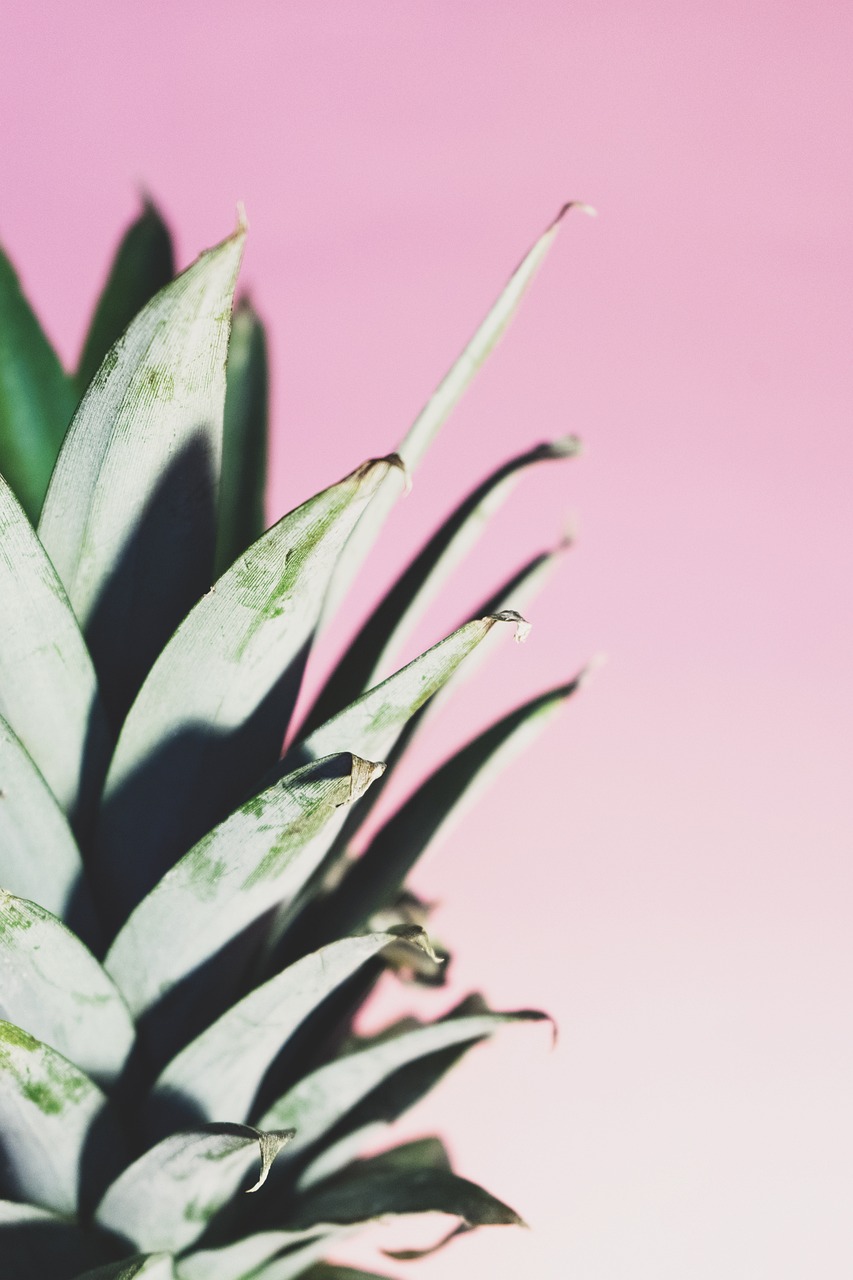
<point x="158" y="1266"/>
<point x="296" y="1261"/>
<point x="129" y="518"/>
<point x="48" y="1113"/>
<point x="54" y="988"/>
<point x="369" y="654"/>
<point x="238" y="1260"/>
<point x="244" y="444"/>
<point x="221" y="1070"/>
<point x="143" y="264"/>
<point x="39" y="857"/>
<point x="247" y="864"/>
<point x="48" y="689"/>
<point x="166" y="1198"/>
<point x="210" y="719"/>
<point x="317" y="1102"/>
<point x="37" y="399"/>
<point x="443" y="400"/>
<point x="38" y="1245"/>
<point x="372" y="880"/>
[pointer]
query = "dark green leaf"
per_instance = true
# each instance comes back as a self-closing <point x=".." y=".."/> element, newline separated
<point x="38" y="1245"/>
<point x="143" y="264"/>
<point x="158" y="1266"/>
<point x="244" y="442"/>
<point x="37" y="399"/>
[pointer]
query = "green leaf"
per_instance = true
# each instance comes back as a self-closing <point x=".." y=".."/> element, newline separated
<point x="48" y="689"/>
<point x="37" y="399"/>
<point x="367" y="656"/>
<point x="238" y="1260"/>
<point x="373" y="880"/>
<point x="210" y="719"/>
<point x="143" y="264"/>
<point x="221" y="1070"/>
<point x="328" y="1271"/>
<point x="318" y="1101"/>
<point x="158" y="1266"/>
<point x="39" y="857"/>
<point x="48" y="1113"/>
<point x="235" y="873"/>
<point x="443" y="400"/>
<point x="295" y="1261"/>
<point x="381" y="1187"/>
<point x="38" y="1245"/>
<point x="166" y="1198"/>
<point x="244" y="445"/>
<point x="130" y="516"/>
<point x="55" y="989"/>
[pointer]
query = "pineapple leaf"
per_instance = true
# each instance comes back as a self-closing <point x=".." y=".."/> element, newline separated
<point x="143" y="264"/>
<point x="319" y="1100"/>
<point x="129" y="517"/>
<point x="51" y="1113"/>
<point x="328" y="1271"/>
<point x="36" y="1244"/>
<point x="244" y="444"/>
<point x="159" y="1266"/>
<point x="240" y="1259"/>
<point x="294" y="1262"/>
<point x="234" y="874"/>
<point x="210" y="719"/>
<point x="373" y="880"/>
<point x="48" y="688"/>
<point x="36" y="397"/>
<point x="166" y="1198"/>
<point x="39" y="857"/>
<point x="443" y="400"/>
<point x="55" y="989"/>
<point x="222" y="1069"/>
<point x="369" y="654"/>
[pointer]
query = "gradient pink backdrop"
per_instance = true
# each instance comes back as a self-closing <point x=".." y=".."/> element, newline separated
<point x="669" y="870"/>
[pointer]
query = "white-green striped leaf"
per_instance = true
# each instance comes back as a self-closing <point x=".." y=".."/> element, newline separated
<point x="295" y="1261"/>
<point x="166" y="1198"/>
<point x="53" y="987"/>
<point x="38" y="1245"/>
<point x="48" y="1111"/>
<point x="129" y="517"/>
<point x="247" y="864"/>
<point x="158" y="1266"/>
<point x="210" y="719"/>
<point x="443" y="400"/>
<point x="319" y="1100"/>
<point x="143" y="264"/>
<point x="221" y="1070"/>
<point x="240" y="520"/>
<point x="238" y="1260"/>
<point x="37" y="398"/>
<point x="373" y="879"/>
<point x="39" y="857"/>
<point x="48" y="689"/>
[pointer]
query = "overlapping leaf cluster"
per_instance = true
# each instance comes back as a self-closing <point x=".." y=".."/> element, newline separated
<point x="184" y="940"/>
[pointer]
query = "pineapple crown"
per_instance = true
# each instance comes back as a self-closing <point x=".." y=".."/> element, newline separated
<point x="186" y="937"/>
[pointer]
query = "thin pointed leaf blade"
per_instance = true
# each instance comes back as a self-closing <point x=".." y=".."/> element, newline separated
<point x="210" y="719"/>
<point x="129" y="518"/>
<point x="54" y="988"/>
<point x="144" y="263"/>
<point x="242" y="868"/>
<point x="444" y="399"/>
<point x="244" y="444"/>
<point x="37" y="398"/>
<point x="166" y="1198"/>
<point x="318" y="1101"/>
<point x="367" y="657"/>
<point x="328" y="1271"/>
<point x="38" y="1245"/>
<point x="376" y="877"/>
<point x="221" y="1070"/>
<point x="48" y="1111"/>
<point x="48" y="689"/>
<point x="294" y="1262"/>
<point x="153" y="1267"/>
<point x="39" y="857"/>
<point x="240" y="1259"/>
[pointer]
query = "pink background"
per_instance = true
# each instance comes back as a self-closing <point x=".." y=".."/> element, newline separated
<point x="669" y="870"/>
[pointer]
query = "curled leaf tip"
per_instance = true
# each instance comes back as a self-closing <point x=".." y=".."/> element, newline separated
<point x="567" y="446"/>
<point x="418" y="937"/>
<point x="522" y="626"/>
<point x="596" y="662"/>
<point x="394" y="460"/>
<point x="269" y="1144"/>
<point x="242" y="218"/>
<point x="580" y="205"/>
<point x="362" y="774"/>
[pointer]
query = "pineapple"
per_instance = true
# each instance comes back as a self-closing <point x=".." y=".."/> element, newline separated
<point x="185" y="937"/>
